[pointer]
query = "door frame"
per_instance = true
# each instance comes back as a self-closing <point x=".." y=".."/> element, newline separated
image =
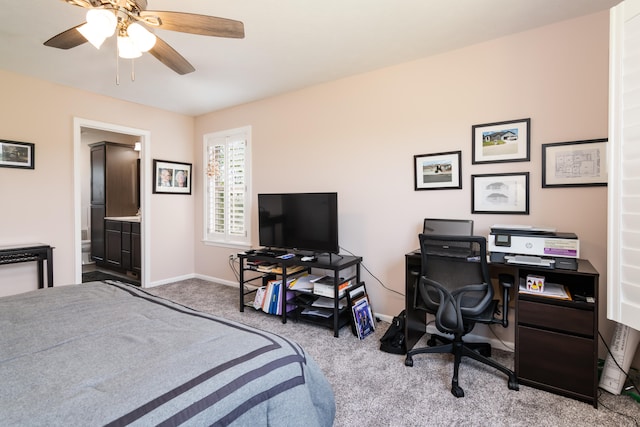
<point x="145" y="191"/>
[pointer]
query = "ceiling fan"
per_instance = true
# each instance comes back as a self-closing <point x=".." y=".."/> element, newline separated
<point x="130" y="20"/>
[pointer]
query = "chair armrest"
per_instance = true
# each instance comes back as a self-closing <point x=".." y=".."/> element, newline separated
<point x="507" y="281"/>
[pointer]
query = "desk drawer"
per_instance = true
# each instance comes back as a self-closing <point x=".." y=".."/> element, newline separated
<point x="562" y="361"/>
<point x="566" y="319"/>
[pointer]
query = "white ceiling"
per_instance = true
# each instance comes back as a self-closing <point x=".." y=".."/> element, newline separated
<point x="288" y="44"/>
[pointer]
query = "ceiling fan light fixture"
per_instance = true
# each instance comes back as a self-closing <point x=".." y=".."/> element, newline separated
<point x="92" y="36"/>
<point x="126" y="48"/>
<point x="141" y="38"/>
<point x="101" y="24"/>
<point x="103" y="21"/>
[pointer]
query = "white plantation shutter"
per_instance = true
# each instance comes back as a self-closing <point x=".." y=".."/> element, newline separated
<point x="227" y="178"/>
<point x="623" y="263"/>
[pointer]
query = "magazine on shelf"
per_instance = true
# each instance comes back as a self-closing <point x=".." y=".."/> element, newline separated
<point x="551" y="290"/>
<point x="304" y="282"/>
<point x="324" y="302"/>
<point x="362" y="317"/>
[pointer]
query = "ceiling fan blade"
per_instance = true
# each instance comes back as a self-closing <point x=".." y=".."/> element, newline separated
<point x="195" y="24"/>
<point x="67" y="39"/>
<point x="170" y="57"/>
<point x="85" y="3"/>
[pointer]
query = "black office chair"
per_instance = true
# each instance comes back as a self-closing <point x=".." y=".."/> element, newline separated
<point x="455" y="287"/>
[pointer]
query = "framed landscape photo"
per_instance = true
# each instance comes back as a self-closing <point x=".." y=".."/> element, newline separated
<point x="171" y="177"/>
<point x="15" y="154"/>
<point x="506" y="193"/>
<point x="439" y="171"/>
<point x="501" y="142"/>
<point x="575" y="164"/>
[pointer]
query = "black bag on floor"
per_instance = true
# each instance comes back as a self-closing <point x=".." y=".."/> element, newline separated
<point x="393" y="340"/>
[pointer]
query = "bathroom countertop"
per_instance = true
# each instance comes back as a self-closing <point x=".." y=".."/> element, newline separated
<point x="133" y="218"/>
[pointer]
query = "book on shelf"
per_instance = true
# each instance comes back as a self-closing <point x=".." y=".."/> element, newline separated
<point x="550" y="290"/>
<point x="272" y="298"/>
<point x="259" y="298"/>
<point x="265" y="268"/>
<point x="328" y="290"/>
<point x="362" y="317"/>
<point x="277" y="269"/>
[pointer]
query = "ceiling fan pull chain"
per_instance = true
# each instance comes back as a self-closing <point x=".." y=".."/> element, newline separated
<point x="133" y="70"/>
<point x="117" y="68"/>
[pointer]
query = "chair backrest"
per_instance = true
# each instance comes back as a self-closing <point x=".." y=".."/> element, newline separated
<point x="454" y="272"/>
<point x="451" y="227"/>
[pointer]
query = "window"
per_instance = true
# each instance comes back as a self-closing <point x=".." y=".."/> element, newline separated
<point x="227" y="195"/>
<point x="623" y="273"/>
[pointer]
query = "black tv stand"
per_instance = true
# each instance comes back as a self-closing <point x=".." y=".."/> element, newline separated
<point x="335" y="264"/>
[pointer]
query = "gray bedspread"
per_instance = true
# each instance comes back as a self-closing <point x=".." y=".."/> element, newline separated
<point x="111" y="354"/>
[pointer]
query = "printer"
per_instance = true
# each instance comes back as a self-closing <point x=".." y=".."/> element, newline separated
<point x="537" y="246"/>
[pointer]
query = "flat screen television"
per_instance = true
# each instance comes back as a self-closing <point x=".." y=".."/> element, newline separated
<point x="299" y="221"/>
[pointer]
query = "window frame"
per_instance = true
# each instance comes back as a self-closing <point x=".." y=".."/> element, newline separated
<point x="226" y="239"/>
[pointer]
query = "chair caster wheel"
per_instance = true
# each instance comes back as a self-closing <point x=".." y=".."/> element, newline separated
<point x="457" y="391"/>
<point x="408" y="361"/>
<point x="513" y="384"/>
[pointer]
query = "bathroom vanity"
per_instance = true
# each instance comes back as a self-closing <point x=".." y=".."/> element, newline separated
<point x="122" y="243"/>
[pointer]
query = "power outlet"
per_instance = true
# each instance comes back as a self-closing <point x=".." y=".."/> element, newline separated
<point x="232" y="257"/>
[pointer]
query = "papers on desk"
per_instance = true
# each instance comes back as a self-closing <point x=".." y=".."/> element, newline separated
<point x="551" y="290"/>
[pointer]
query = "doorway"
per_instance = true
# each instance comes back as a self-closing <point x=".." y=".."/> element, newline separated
<point x="85" y="133"/>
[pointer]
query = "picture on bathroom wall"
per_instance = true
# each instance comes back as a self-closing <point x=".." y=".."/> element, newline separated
<point x="171" y="177"/>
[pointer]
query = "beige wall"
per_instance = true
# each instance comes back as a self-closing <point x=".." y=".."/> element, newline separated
<point x="358" y="136"/>
<point x="38" y="205"/>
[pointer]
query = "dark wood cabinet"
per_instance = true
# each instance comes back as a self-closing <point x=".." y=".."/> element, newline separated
<point x="114" y="193"/>
<point x="557" y="340"/>
<point x="123" y="245"/>
<point x="136" y="258"/>
<point x="113" y="240"/>
<point x="97" y="232"/>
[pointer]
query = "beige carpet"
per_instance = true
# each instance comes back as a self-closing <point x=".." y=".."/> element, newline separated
<point x="375" y="388"/>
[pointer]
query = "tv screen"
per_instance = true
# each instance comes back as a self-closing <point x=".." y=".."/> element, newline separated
<point x="302" y="221"/>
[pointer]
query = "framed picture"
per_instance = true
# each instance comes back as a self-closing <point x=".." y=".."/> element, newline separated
<point x="15" y="154"/>
<point x="501" y="142"/>
<point x="439" y="171"/>
<point x="500" y="193"/>
<point x="171" y="177"/>
<point x="575" y="164"/>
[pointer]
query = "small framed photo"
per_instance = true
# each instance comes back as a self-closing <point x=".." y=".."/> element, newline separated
<point x="171" y="177"/>
<point x="575" y="164"/>
<point x="501" y="142"/>
<point x="15" y="154"/>
<point x="506" y="193"/>
<point x="439" y="171"/>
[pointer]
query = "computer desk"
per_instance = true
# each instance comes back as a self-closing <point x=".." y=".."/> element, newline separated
<point x="556" y="341"/>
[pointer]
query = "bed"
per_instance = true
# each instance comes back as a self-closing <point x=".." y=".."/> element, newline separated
<point x="107" y="353"/>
